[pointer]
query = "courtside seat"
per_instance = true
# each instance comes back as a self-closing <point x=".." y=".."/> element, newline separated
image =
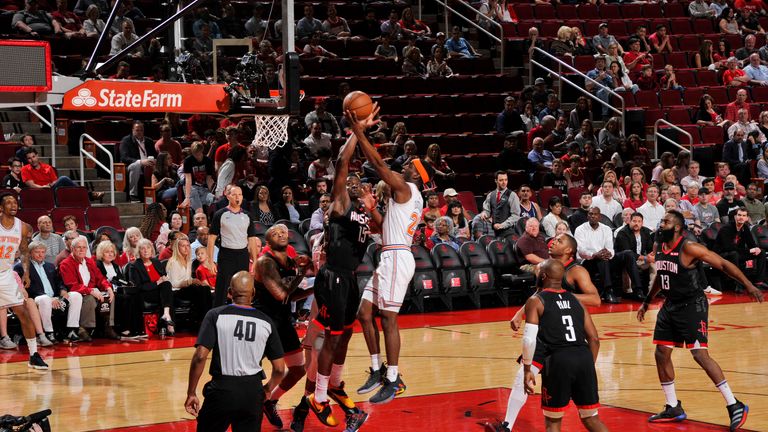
<point x="480" y="272"/>
<point x="453" y="275"/>
<point x="426" y="282"/>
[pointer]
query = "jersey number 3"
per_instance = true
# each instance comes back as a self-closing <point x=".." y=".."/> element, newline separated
<point x="250" y="331"/>
<point x="412" y="225"/>
<point x="570" y="334"/>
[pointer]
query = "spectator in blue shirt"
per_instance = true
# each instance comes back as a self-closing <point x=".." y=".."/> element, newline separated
<point x="308" y="24"/>
<point x="540" y="158"/>
<point x="757" y="73"/>
<point x="457" y="46"/>
<point x="204" y="17"/>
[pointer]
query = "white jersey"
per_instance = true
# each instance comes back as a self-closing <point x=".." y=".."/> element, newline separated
<point x="401" y="220"/>
<point x="10" y="240"/>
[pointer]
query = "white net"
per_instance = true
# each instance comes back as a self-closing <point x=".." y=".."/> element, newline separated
<point x="271" y="130"/>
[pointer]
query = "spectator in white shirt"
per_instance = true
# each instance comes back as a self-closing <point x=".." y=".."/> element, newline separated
<point x="317" y="138"/>
<point x="596" y="249"/>
<point x="693" y="175"/>
<point x="605" y="202"/>
<point x="652" y="210"/>
<point x="318" y="216"/>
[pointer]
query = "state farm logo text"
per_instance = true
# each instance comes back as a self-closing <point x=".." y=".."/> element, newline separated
<point x="128" y="99"/>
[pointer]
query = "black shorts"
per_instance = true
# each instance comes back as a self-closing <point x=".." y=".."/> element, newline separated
<point x="569" y="373"/>
<point x="286" y="332"/>
<point x="539" y="355"/>
<point x="683" y="325"/>
<point x="338" y="299"/>
<point x="235" y="401"/>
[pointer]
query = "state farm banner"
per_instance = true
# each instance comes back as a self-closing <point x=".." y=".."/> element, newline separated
<point x="146" y="96"/>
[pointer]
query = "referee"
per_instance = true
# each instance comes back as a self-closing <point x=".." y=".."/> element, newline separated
<point x="240" y="337"/>
<point x="238" y="239"/>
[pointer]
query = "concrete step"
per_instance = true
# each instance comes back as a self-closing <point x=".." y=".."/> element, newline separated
<point x="130" y="209"/>
<point x="131" y="221"/>
<point x="16" y="115"/>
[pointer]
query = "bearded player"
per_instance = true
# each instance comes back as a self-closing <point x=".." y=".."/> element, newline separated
<point x="684" y="317"/>
<point x="386" y="290"/>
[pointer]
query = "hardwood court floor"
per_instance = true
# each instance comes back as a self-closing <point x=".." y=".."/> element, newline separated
<point x="458" y="367"/>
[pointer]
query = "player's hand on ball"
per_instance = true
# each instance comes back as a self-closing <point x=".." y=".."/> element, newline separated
<point x="192" y="405"/>
<point x="530" y="382"/>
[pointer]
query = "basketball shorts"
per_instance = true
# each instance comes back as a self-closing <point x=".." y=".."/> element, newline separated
<point x="230" y="400"/>
<point x="683" y="325"/>
<point x="569" y="374"/>
<point x="390" y="281"/>
<point x="10" y="294"/>
<point x="287" y="334"/>
<point x="337" y="297"/>
<point x="539" y="355"/>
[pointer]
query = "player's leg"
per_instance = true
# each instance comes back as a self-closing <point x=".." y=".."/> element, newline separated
<point x="365" y="315"/>
<point x="5" y="340"/>
<point x="666" y="335"/>
<point x="28" y="329"/>
<point x="294" y="361"/>
<point x="585" y="393"/>
<point x="518" y="396"/>
<point x="312" y="344"/>
<point x="552" y="424"/>
<point x="593" y="423"/>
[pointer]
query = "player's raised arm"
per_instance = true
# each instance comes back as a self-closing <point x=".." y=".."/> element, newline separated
<point x="592" y="338"/>
<point x="339" y="195"/>
<point x="589" y="295"/>
<point x="717" y="262"/>
<point x="400" y="190"/>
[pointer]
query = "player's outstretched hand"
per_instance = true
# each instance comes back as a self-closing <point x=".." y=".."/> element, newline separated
<point x="358" y="124"/>
<point x="192" y="405"/>
<point x="755" y="293"/>
<point x="530" y="382"/>
<point x="641" y="312"/>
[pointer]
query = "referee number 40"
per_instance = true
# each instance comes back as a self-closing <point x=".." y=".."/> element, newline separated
<point x="250" y="331"/>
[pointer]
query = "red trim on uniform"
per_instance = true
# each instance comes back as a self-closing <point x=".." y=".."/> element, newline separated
<point x="554" y="409"/>
<point x="296" y="351"/>
<point x="556" y="291"/>
<point x="538" y="365"/>
<point x="673" y="246"/>
<point x="337" y="333"/>
<point x="585" y="407"/>
<point x="318" y="324"/>
<point x="666" y="343"/>
<point x="693" y="345"/>
<point x="347" y="327"/>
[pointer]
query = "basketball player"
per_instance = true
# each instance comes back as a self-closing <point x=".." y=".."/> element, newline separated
<point x="277" y="279"/>
<point x="385" y="292"/>
<point x="575" y="280"/>
<point x="336" y="290"/>
<point x="14" y="237"/>
<point x="684" y="317"/>
<point x="240" y="336"/>
<point x="556" y="318"/>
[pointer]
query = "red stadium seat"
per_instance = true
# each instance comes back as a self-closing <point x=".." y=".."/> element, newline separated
<point x="670" y="97"/>
<point x="587" y="12"/>
<point x="631" y="10"/>
<point x="702" y="25"/>
<point x="760" y="94"/>
<point x="647" y="98"/>
<point x="524" y="11"/>
<point x="651" y="115"/>
<point x="677" y="59"/>
<point x="545" y="194"/>
<point x="584" y="63"/>
<point x="680" y="26"/>
<point x="617" y="28"/>
<point x="104" y="216"/>
<point x="30" y="215"/>
<point x="544" y="11"/>
<point x="719" y="94"/>
<point x="574" y="194"/>
<point x="610" y="11"/>
<point x="565" y="12"/>
<point x="679" y="116"/>
<point x="692" y="95"/>
<point x="72" y="197"/>
<point x="688" y="42"/>
<point x="686" y="77"/>
<point x="37" y="198"/>
<point x="652" y="10"/>
<point x="674" y="10"/>
<point x="693" y="130"/>
<point x="712" y="135"/>
<point x="59" y="213"/>
<point x="706" y="78"/>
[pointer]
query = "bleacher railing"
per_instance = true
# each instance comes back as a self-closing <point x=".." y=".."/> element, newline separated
<point x="51" y="123"/>
<point x="86" y="154"/>
<point x="657" y="135"/>
<point x="498" y="39"/>
<point x="560" y="65"/>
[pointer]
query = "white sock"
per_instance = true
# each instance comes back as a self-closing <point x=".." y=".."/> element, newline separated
<point x="517" y="396"/>
<point x="725" y="389"/>
<point x="32" y="344"/>
<point x="336" y="371"/>
<point x="669" y="393"/>
<point x="276" y="393"/>
<point x="392" y="373"/>
<point x="321" y="388"/>
<point x="375" y="365"/>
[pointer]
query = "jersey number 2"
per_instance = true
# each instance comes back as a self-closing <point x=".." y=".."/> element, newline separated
<point x="250" y="331"/>
<point x="570" y="334"/>
<point x="412" y="225"/>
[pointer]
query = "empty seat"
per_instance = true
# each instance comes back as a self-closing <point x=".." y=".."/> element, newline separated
<point x="480" y="271"/>
<point x="98" y="216"/>
<point x="37" y="198"/>
<point x="692" y="95"/>
<point x="706" y="78"/>
<point x="453" y="276"/>
<point x="426" y="282"/>
<point x="712" y="135"/>
<point x="72" y="197"/>
<point x="685" y="78"/>
<point x="30" y="215"/>
<point x="679" y="116"/>
<point x="647" y="98"/>
<point x="544" y="11"/>
<point x="670" y="97"/>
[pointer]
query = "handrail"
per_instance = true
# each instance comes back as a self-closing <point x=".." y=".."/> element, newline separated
<point x="657" y="135"/>
<point x="110" y="171"/>
<point x="559" y="74"/>
<point x="52" y="125"/>
<point x="500" y="40"/>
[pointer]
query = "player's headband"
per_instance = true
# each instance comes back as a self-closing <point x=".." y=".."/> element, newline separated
<point x="419" y="165"/>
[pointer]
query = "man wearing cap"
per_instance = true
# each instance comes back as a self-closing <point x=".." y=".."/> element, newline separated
<point x="705" y="213"/>
<point x="635" y="59"/>
<point x="450" y="195"/>
<point x="603" y="39"/>
<point x="601" y="75"/>
<point x="728" y="204"/>
<point x="509" y="120"/>
<point x="539" y="93"/>
<point x="321" y="115"/>
<point x="501" y="207"/>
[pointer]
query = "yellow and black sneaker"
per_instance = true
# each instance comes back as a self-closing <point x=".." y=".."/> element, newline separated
<point x="322" y="410"/>
<point x="340" y="396"/>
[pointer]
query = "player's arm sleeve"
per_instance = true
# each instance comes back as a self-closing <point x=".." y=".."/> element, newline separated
<point x="207" y="335"/>
<point x="273" y="349"/>
<point x="529" y="342"/>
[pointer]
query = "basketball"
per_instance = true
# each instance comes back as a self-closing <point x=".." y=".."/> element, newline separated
<point x="359" y="103"/>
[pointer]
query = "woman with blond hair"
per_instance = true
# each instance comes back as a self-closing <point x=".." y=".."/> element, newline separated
<point x="562" y="46"/>
<point x="150" y="284"/>
<point x="130" y="246"/>
<point x="186" y="287"/>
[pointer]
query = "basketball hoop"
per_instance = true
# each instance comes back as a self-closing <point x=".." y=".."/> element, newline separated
<point x="271" y="130"/>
